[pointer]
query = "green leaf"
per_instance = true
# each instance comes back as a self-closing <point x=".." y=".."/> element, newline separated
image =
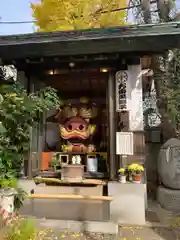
<point x="2" y="128"/>
<point x="18" y="112"/>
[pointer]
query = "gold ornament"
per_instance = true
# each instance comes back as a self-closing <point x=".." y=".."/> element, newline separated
<point x="88" y="112"/>
<point x="84" y="100"/>
<point x="69" y="112"/>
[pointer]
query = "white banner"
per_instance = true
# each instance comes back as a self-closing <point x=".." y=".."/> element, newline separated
<point x="135" y="100"/>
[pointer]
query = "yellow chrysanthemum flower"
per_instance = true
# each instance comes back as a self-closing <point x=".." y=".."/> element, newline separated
<point x="121" y="170"/>
<point x="135" y="167"/>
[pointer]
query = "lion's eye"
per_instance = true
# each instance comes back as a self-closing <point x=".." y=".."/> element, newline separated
<point x="81" y="127"/>
<point x="69" y="127"/>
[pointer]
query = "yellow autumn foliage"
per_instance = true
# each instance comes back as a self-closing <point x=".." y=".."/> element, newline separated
<point x="57" y="15"/>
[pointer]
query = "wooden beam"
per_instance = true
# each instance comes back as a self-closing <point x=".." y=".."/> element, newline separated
<point x="70" y="196"/>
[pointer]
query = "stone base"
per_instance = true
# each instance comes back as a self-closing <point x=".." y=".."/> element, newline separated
<point x="129" y="204"/>
<point x="169" y="199"/>
<point x="72" y="171"/>
<point x="77" y="226"/>
<point x="65" y="209"/>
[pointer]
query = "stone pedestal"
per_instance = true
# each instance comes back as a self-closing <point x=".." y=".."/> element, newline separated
<point x="128" y="206"/>
<point x="75" y="210"/>
<point x="72" y="172"/>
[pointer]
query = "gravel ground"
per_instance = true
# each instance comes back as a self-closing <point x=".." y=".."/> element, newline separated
<point x="144" y="233"/>
<point x="65" y="235"/>
<point x="126" y="233"/>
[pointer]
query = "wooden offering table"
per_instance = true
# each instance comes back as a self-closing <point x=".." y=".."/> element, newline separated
<point x="70" y="181"/>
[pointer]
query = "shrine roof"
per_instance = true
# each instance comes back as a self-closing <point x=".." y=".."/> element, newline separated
<point x="134" y="38"/>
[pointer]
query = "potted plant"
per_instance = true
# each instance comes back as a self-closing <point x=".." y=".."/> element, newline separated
<point x="12" y="198"/>
<point x="122" y="175"/>
<point x="54" y="169"/>
<point x="55" y="164"/>
<point x="135" y="170"/>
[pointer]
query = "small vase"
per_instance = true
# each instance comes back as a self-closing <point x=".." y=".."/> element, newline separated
<point x="122" y="178"/>
<point x="78" y="159"/>
<point x="136" y="178"/>
<point x="7" y="204"/>
<point x="130" y="177"/>
<point x="74" y="160"/>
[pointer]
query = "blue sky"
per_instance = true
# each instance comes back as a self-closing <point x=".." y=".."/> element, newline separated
<point x="15" y="10"/>
<point x="19" y="10"/>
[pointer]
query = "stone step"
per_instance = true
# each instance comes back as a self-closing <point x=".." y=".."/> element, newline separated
<point x="76" y="226"/>
<point x="67" y="209"/>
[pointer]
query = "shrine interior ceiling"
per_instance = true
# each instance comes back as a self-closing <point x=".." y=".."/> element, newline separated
<point x="93" y="84"/>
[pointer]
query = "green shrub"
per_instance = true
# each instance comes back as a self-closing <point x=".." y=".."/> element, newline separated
<point x="23" y="229"/>
<point x="20" y="229"/>
<point x="19" y="112"/>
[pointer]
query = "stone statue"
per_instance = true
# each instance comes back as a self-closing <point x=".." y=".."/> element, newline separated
<point x="169" y="164"/>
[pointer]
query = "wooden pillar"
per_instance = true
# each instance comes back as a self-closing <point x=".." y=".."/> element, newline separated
<point x="30" y="155"/>
<point x="29" y="170"/>
<point x="131" y="118"/>
<point x="112" y="126"/>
